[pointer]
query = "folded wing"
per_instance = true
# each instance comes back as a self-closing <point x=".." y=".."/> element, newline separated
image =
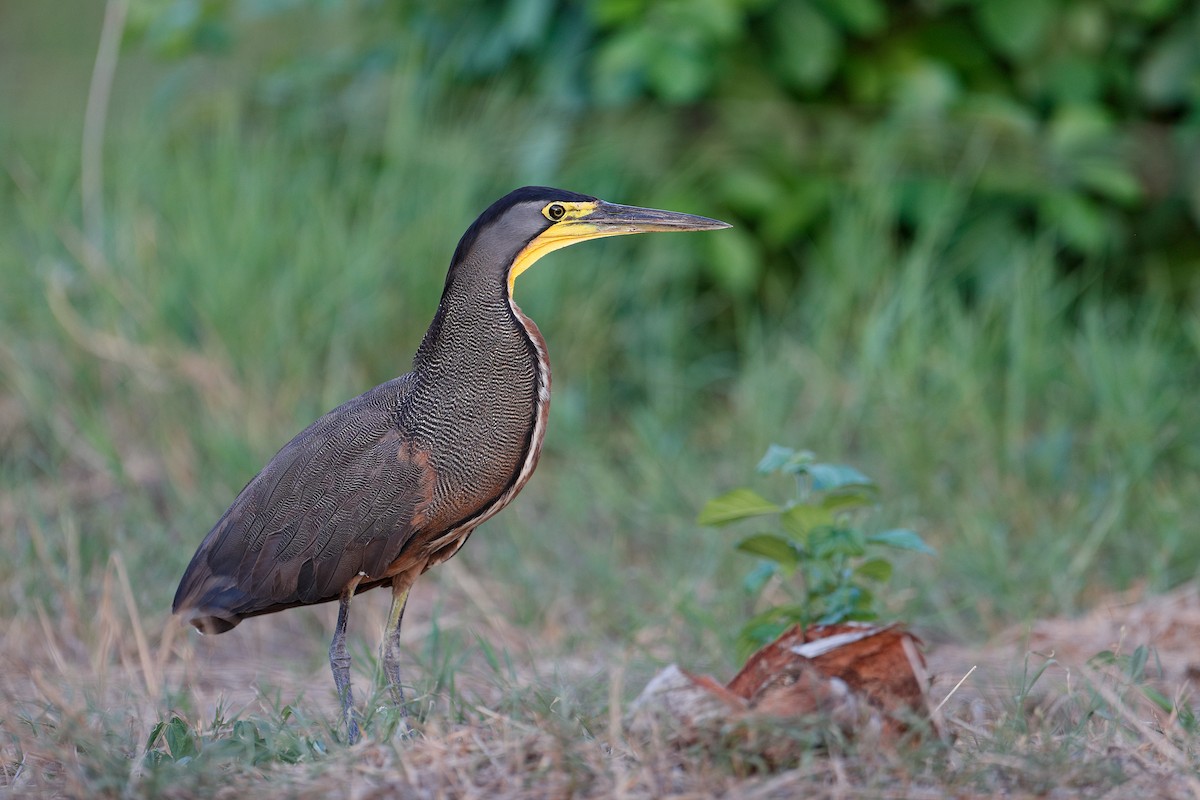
<point x="341" y="498"/>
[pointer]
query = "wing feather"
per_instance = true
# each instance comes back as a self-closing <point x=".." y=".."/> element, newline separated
<point x="342" y="497"/>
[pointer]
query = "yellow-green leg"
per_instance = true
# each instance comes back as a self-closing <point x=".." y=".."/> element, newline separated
<point x="401" y="585"/>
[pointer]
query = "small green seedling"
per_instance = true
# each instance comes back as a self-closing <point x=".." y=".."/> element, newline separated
<point x="816" y="539"/>
<point x="285" y="738"/>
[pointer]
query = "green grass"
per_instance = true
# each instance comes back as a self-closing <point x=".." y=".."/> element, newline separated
<point x="1038" y="430"/>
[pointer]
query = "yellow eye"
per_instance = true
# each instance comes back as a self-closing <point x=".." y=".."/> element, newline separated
<point x="555" y="212"/>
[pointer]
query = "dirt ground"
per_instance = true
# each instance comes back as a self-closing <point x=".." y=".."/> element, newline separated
<point x="100" y="675"/>
<point x="1168" y="625"/>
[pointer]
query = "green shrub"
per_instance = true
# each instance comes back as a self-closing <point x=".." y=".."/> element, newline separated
<point x="815" y="539"/>
<point x="1076" y="118"/>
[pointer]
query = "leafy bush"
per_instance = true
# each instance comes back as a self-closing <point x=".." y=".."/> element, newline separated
<point x="998" y="120"/>
<point x="815" y="538"/>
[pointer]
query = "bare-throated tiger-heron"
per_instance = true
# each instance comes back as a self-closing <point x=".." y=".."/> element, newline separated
<point x="391" y="483"/>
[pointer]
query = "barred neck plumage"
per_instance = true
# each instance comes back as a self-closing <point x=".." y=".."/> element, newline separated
<point x="482" y="393"/>
<point x="478" y="333"/>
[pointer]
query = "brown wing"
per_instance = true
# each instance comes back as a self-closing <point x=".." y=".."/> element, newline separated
<point x="343" y="497"/>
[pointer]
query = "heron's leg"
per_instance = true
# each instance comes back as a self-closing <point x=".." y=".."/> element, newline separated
<point x="391" y="637"/>
<point x="339" y="661"/>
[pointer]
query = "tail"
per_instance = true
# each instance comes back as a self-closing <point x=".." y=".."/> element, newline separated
<point x="208" y="617"/>
<point x="209" y="602"/>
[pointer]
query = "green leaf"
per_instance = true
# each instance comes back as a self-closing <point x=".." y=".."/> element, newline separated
<point x="1074" y="80"/>
<point x="775" y="458"/>
<point x="925" y="88"/>
<point x="902" y="539"/>
<point x="679" y="71"/>
<point x="864" y="603"/>
<point x="180" y="742"/>
<point x="834" y="476"/>
<point x="1078" y="128"/>
<point x="619" y="68"/>
<point x="1080" y="221"/>
<point x="875" y="569"/>
<point x="862" y="17"/>
<point x="846" y="499"/>
<point x="820" y="578"/>
<point x="765" y="627"/>
<point x="801" y="519"/>
<point x="828" y="542"/>
<point x="1152" y="9"/>
<point x="785" y="459"/>
<point x="1016" y="27"/>
<point x="807" y="46"/>
<point x="154" y="734"/>
<point x="847" y="602"/>
<point x="1167" y="75"/>
<point x="1158" y="698"/>
<point x="615" y="12"/>
<point x="1137" y="663"/>
<point x="1001" y="116"/>
<point x="735" y="505"/>
<point x="525" y="21"/>
<point x="757" y="578"/>
<point x="773" y="548"/>
<point x="1112" y="180"/>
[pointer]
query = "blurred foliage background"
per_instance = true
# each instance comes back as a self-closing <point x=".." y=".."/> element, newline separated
<point x="1079" y="118"/>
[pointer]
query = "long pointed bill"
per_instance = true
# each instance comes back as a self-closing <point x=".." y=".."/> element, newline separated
<point x="600" y="219"/>
<point x="610" y="219"/>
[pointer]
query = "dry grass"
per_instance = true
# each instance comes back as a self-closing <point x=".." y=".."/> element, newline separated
<point x="83" y="691"/>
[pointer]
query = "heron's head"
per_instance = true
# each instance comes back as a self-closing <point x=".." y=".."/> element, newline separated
<point x="524" y="225"/>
